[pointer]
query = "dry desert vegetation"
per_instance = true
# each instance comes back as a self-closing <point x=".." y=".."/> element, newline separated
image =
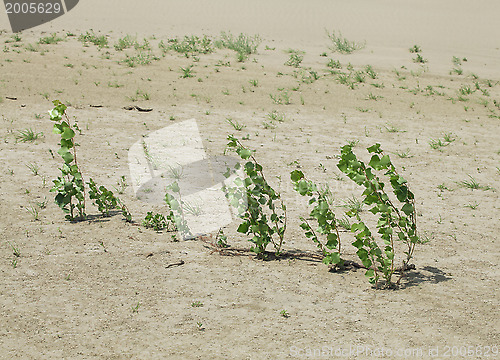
<point x="107" y="288"/>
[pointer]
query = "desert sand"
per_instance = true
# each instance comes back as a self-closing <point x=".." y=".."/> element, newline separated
<point x="104" y="288"/>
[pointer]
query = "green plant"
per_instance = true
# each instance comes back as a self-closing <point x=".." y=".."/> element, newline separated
<point x="70" y="187"/>
<point x="16" y="252"/>
<point x="370" y="72"/>
<point x="259" y="205"/>
<point x="125" y="43"/>
<point x="472" y="206"/>
<point x="33" y="168"/>
<point x="32" y="48"/>
<point x="373" y="97"/>
<point x="404" y="154"/>
<point x="282" y="97"/>
<point x="353" y="204"/>
<point x="196" y="304"/>
<point x="106" y="200"/>
<point x="394" y="223"/>
<point x="235" y="124"/>
<point x="344" y="222"/>
<point x="276" y="116"/>
<point x="192" y="209"/>
<point x="473" y="184"/>
<point x="187" y="72"/>
<point x="284" y="313"/>
<point x="334" y="64"/>
<point x="437" y="144"/>
<point x="244" y="45"/>
<point x="34" y="212"/>
<point x="122" y="185"/>
<point x="415" y="49"/>
<point x="176" y="212"/>
<point x="135" y="309"/>
<point x="41" y="204"/>
<point x="155" y="221"/>
<point x="91" y="37"/>
<point x="189" y="45"/>
<point x="342" y="45"/>
<point x="28" y="135"/>
<point x="254" y="82"/>
<point x="52" y="39"/>
<point x="295" y="59"/>
<point x="221" y="239"/>
<point x="324" y="216"/>
<point x="141" y="58"/>
<point x="419" y="59"/>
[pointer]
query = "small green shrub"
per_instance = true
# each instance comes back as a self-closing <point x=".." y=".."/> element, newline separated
<point x="100" y="41"/>
<point x="243" y="44"/>
<point x="155" y="221"/>
<point x="259" y="205"/>
<point x="395" y="223"/>
<point x="106" y="200"/>
<point x="52" y="39"/>
<point x="125" y="43"/>
<point x="342" y="45"/>
<point x="176" y="213"/>
<point x="324" y="216"/>
<point x="189" y="45"/>
<point x="70" y="186"/>
<point x="295" y="59"/>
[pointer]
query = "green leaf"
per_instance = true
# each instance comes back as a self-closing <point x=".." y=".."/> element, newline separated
<point x="66" y="155"/>
<point x="296" y="175"/>
<point x="374" y="149"/>
<point x="243" y="228"/>
<point x="68" y="133"/>
<point x="331" y="242"/>
<point x="303" y="187"/>
<point x="385" y="161"/>
<point x="244" y="153"/>
<point x="407" y="209"/>
<point x="175" y="187"/>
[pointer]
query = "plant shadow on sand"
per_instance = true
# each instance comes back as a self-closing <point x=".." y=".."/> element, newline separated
<point x="426" y="274"/>
<point x="412" y="276"/>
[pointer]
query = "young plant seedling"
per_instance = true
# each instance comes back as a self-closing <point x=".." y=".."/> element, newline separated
<point x="70" y="187"/>
<point x="106" y="200"/>
<point x="324" y="216"/>
<point x="155" y="221"/>
<point x="394" y="223"/>
<point x="259" y="205"/>
<point x="175" y="216"/>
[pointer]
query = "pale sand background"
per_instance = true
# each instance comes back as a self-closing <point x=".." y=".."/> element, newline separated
<point x="68" y="298"/>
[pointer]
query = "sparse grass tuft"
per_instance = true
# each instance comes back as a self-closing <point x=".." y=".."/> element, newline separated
<point x="28" y="135"/>
<point x="91" y="37"/>
<point x="472" y="184"/>
<point x="235" y="124"/>
<point x="52" y="39"/>
<point x="141" y="58"/>
<point x="342" y="45"/>
<point x="243" y="44"/>
<point x="125" y="43"/>
<point x="295" y="59"/>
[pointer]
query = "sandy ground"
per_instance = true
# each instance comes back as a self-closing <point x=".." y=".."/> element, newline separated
<point x="109" y="289"/>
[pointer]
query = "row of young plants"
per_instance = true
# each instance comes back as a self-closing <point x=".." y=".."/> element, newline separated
<point x="263" y="211"/>
<point x="264" y="218"/>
